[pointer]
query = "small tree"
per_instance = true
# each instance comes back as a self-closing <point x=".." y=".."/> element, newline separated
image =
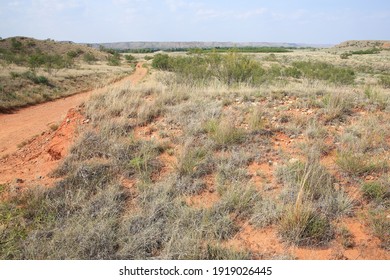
<point x="161" y="61"/>
<point x="114" y="60"/>
<point x="130" y="58"/>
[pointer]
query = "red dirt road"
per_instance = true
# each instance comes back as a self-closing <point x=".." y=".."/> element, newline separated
<point x="29" y="165"/>
<point x="29" y="122"/>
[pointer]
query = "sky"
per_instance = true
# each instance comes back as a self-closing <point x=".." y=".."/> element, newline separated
<point x="98" y="21"/>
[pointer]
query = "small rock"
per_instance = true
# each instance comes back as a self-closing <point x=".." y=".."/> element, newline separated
<point x="19" y="181"/>
<point x="67" y="120"/>
<point x="86" y="121"/>
<point x="293" y="136"/>
<point x="39" y="177"/>
<point x="369" y="178"/>
<point x="270" y="162"/>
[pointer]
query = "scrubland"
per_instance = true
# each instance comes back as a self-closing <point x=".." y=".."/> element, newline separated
<point x="221" y="156"/>
<point x="35" y="71"/>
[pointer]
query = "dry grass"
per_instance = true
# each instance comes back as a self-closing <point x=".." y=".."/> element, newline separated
<point x="211" y="134"/>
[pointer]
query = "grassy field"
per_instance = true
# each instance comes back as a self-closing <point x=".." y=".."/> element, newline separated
<point x="222" y="156"/>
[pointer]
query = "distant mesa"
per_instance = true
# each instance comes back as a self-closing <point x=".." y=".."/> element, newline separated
<point x="364" y="44"/>
<point x="191" y="45"/>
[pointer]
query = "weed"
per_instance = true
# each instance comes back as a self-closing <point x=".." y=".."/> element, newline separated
<point x="191" y="160"/>
<point x="335" y="106"/>
<point x="266" y="212"/>
<point x="301" y="225"/>
<point x="385" y="81"/>
<point x="381" y="227"/>
<point x="257" y="120"/>
<point x="224" y="133"/>
<point x="358" y="164"/>
<point x="347" y="238"/>
<point x="237" y="199"/>
<point x="374" y="191"/>
<point x="214" y="252"/>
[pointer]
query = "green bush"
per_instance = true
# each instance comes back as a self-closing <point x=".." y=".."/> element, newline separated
<point x="231" y="68"/>
<point x="345" y="55"/>
<point x="161" y="61"/>
<point x="368" y="51"/>
<point x="89" y="58"/>
<point x="114" y="60"/>
<point x="130" y="58"/>
<point x="324" y="71"/>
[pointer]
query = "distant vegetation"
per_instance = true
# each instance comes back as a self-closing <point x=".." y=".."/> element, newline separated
<point x="234" y="68"/>
<point x="360" y="52"/>
<point x="214" y="50"/>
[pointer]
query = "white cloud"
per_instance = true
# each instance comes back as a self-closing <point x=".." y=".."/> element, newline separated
<point x="294" y="15"/>
<point x="244" y="15"/>
<point x="210" y="13"/>
<point x="175" y="5"/>
<point x="249" y="14"/>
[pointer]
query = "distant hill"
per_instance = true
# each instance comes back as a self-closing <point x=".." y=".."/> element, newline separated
<point x="50" y="47"/>
<point x="186" y="45"/>
<point x="363" y="44"/>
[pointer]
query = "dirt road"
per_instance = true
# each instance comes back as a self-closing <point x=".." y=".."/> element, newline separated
<point x="28" y="122"/>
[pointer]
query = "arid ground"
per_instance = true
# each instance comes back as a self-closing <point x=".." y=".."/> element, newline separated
<point x="203" y="155"/>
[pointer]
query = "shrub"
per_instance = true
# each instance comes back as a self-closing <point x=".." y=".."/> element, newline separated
<point x="325" y="71"/>
<point x="161" y="61"/>
<point x="345" y="55"/>
<point x="34" y="78"/>
<point x="114" y="60"/>
<point x="89" y="58"/>
<point x="130" y="58"/>
<point x="367" y="51"/>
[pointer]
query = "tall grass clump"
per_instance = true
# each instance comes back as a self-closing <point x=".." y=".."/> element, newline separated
<point x="311" y="202"/>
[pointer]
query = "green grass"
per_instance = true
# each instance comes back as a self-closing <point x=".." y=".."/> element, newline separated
<point x="224" y="133"/>
<point x="374" y="191"/>
<point x="304" y="226"/>
<point x="358" y="164"/>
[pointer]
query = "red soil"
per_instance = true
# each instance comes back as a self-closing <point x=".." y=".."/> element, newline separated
<point x="30" y="163"/>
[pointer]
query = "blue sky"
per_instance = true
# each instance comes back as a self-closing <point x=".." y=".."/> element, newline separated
<point x="303" y="21"/>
